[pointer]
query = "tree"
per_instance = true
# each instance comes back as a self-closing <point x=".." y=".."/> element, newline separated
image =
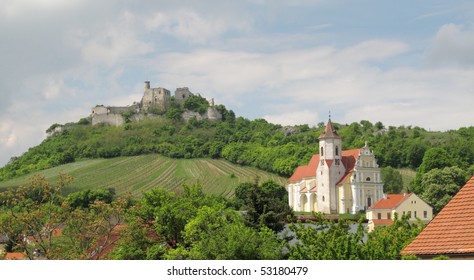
<point x="386" y="242"/>
<point x="33" y="213"/>
<point x="265" y="204"/>
<point x="218" y="232"/>
<point x="89" y="232"/>
<point x="440" y="185"/>
<point x="86" y="198"/>
<point x="326" y="240"/>
<point x="392" y="180"/>
<point x="344" y="240"/>
<point x="197" y="104"/>
<point x="435" y="158"/>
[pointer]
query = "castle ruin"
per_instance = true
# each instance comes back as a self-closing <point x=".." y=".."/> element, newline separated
<point x="155" y="101"/>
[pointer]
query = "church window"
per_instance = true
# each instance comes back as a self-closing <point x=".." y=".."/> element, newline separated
<point x="367" y="179"/>
<point x="415" y="213"/>
<point x="323" y="198"/>
<point x="337" y="150"/>
<point x="322" y="151"/>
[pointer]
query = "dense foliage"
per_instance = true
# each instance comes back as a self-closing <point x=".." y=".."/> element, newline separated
<point x="188" y="224"/>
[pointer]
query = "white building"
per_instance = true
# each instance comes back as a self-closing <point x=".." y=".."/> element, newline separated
<point x="336" y="181"/>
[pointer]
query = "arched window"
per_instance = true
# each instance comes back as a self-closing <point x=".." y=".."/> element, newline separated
<point x="367" y="179"/>
<point x="337" y="150"/>
<point x="322" y="151"/>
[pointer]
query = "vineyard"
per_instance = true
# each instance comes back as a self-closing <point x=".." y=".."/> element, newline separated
<point x="142" y="173"/>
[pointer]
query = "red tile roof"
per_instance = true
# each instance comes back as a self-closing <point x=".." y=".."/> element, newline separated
<point x="390" y="202"/>
<point x="306" y="170"/>
<point x="451" y="232"/>
<point x="382" y="222"/>
<point x="15" y="256"/>
<point x="349" y="158"/>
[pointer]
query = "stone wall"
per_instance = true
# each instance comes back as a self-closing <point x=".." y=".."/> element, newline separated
<point x="156" y="98"/>
<point x="181" y="94"/>
<point x="111" y="119"/>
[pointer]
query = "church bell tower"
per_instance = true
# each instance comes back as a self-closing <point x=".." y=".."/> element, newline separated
<point x="330" y="169"/>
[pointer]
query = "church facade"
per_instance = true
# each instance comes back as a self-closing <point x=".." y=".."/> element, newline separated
<point x="336" y="181"/>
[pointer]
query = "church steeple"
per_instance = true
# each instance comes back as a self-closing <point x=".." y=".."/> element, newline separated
<point x="330" y="143"/>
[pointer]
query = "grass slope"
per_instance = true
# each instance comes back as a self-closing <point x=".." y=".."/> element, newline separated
<point x="408" y="175"/>
<point x="142" y="173"/>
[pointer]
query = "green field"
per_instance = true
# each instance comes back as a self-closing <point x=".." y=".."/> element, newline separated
<point x="407" y="176"/>
<point x="142" y="173"/>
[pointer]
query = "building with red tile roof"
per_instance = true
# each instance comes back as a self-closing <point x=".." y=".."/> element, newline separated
<point x="336" y="181"/>
<point x="15" y="256"/>
<point x="451" y="232"/>
<point x="383" y="212"/>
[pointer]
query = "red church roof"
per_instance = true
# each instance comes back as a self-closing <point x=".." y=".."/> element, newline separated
<point x="349" y="158"/>
<point x="451" y="232"/>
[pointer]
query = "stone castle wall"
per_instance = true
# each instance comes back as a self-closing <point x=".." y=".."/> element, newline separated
<point x="111" y="119"/>
<point x="153" y="98"/>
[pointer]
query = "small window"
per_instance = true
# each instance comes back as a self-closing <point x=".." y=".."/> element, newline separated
<point x="337" y="150"/>
<point x="367" y="179"/>
<point x="425" y="214"/>
<point x="389" y="216"/>
<point x="379" y="216"/>
<point x="322" y="151"/>
<point x="323" y="198"/>
<point x="415" y="214"/>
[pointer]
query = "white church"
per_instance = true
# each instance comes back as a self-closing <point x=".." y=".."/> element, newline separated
<point x="336" y="181"/>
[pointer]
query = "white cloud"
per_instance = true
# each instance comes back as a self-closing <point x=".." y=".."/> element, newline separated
<point x="53" y="88"/>
<point x="192" y="27"/>
<point x="293" y="118"/>
<point x="452" y="46"/>
<point x="112" y="43"/>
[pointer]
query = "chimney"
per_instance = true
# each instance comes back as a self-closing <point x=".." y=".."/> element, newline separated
<point x="147" y="85"/>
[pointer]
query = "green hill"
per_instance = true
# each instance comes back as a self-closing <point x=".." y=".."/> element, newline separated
<point x="136" y="174"/>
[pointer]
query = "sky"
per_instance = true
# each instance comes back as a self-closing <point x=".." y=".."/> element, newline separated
<point x="289" y="62"/>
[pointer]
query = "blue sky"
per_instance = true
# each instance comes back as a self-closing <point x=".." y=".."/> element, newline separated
<point x="290" y="62"/>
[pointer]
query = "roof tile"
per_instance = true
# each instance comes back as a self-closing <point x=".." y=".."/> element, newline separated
<point x="451" y="231"/>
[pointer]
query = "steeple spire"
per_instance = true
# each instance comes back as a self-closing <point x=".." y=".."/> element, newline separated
<point x="329" y="131"/>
